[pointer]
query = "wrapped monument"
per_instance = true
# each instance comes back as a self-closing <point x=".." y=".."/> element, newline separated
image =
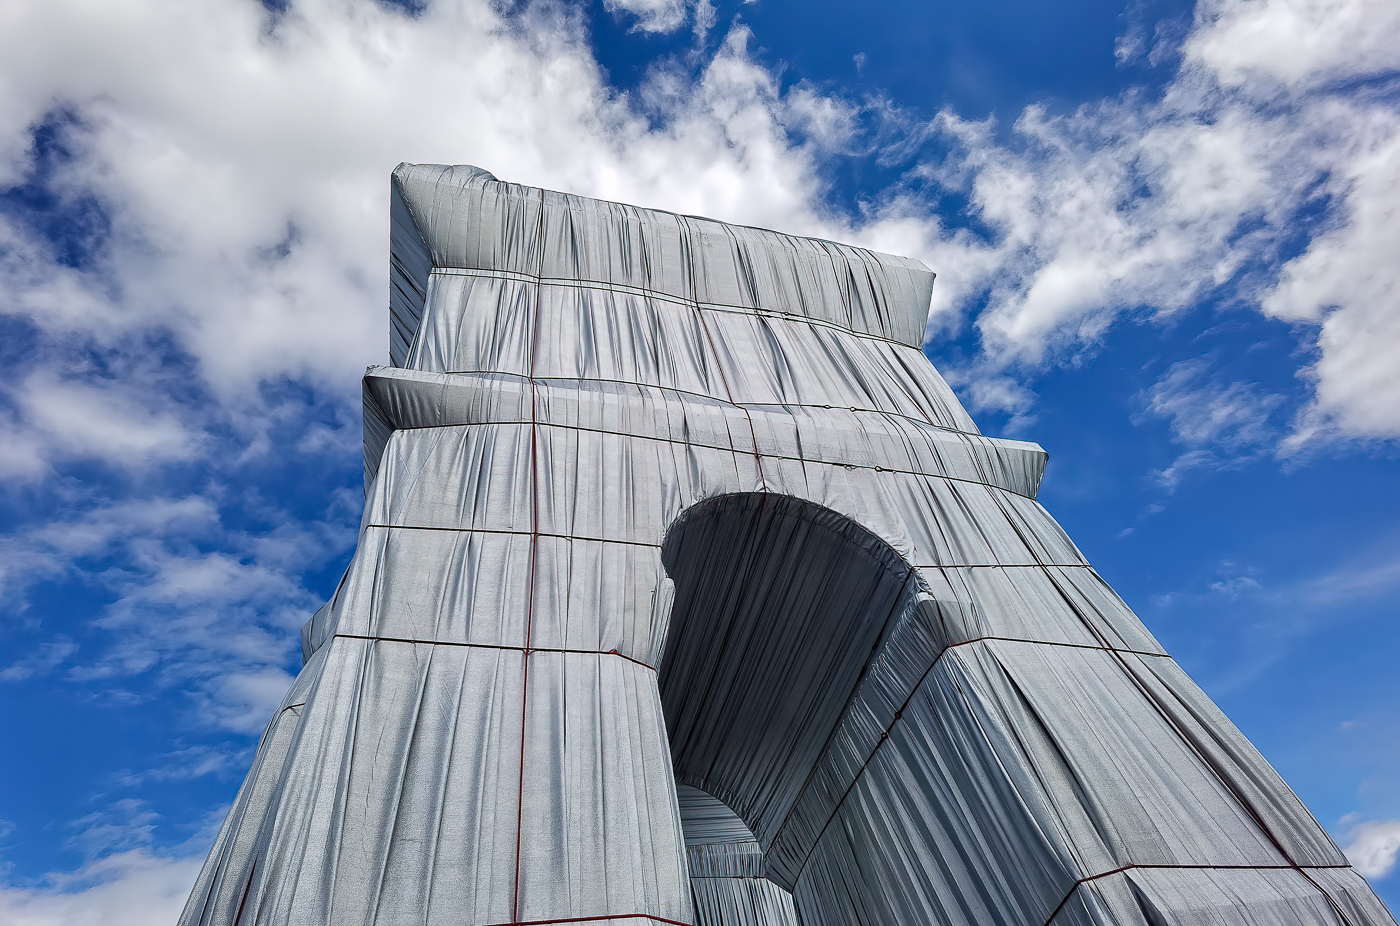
<point x="687" y="592"/>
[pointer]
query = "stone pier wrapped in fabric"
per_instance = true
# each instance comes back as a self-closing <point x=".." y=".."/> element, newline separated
<point x="687" y="592"/>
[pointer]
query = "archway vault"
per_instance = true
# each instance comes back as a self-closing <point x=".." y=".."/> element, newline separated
<point x="780" y="607"/>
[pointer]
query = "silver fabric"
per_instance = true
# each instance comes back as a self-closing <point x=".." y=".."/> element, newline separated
<point x="686" y="592"/>
<point x="728" y="886"/>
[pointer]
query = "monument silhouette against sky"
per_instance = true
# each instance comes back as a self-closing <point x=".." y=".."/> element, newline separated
<point x="687" y="593"/>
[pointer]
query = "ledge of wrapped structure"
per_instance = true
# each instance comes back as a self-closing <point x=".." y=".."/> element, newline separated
<point x="396" y="399"/>
<point x="463" y="218"/>
<point x="779" y="607"/>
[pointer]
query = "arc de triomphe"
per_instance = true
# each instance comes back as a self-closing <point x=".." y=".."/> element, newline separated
<point x="687" y="592"/>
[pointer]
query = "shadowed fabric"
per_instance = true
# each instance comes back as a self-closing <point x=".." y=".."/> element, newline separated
<point x="686" y="592"/>
<point x="727" y="882"/>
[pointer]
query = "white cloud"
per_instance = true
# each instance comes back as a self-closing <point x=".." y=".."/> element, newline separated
<point x="217" y="624"/>
<point x="61" y="545"/>
<point x="41" y="662"/>
<point x="1171" y="476"/>
<point x="244" y="701"/>
<point x="245" y="171"/>
<point x="1372" y="847"/>
<point x="655" y="15"/>
<point x="132" y="888"/>
<point x="1370" y="578"/>
<point x="1223" y="424"/>
<point x="188" y="763"/>
<point x="1236" y="587"/>
<point x="1201" y="410"/>
<point x="125" y="881"/>
<point x="1348" y="283"/>
<point x="1295" y="42"/>
<point x="704" y="18"/>
<point x="123" y="825"/>
<point x="97" y="418"/>
<point x="1129" y="207"/>
<point x="243" y="162"/>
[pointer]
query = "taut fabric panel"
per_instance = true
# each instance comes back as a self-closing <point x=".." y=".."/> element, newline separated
<point x="687" y="592"/>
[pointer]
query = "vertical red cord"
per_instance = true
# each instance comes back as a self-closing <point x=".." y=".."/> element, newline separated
<point x="534" y="554"/>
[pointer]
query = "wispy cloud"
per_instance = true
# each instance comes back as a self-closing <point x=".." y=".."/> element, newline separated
<point x="1201" y="411"/>
<point x="188" y="763"/>
<point x="659" y="15"/>
<point x="41" y="662"/>
<point x="1251" y="618"/>
<point x="1369" y="577"/>
<point x="215" y="623"/>
<point x="125" y="881"/>
<point x="1223" y="424"/>
<point x="1352" y="582"/>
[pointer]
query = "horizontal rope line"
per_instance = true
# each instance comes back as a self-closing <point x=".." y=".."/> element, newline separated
<point x="686" y="392"/>
<point x="488" y="530"/>
<point x="594" y="919"/>
<point x="642" y="543"/>
<point x="730" y="449"/>
<point x="527" y="650"/>
<point x="660" y="296"/>
<point x="1105" y="874"/>
<point x="592" y="652"/>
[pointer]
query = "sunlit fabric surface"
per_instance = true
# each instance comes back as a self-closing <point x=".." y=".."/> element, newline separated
<point x="686" y="592"/>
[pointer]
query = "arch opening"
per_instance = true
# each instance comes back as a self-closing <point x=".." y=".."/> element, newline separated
<point x="779" y="606"/>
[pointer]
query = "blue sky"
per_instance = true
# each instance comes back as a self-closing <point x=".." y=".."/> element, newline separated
<point x="1165" y="239"/>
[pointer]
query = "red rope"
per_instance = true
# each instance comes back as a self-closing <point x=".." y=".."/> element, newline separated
<point x="595" y="919"/>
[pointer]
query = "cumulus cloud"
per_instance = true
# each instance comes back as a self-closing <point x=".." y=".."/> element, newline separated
<point x="1294" y="42"/>
<point x="1372" y="847"/>
<point x="1139" y="209"/>
<point x="243" y="162"/>
<point x="1347" y="282"/>
<point x="113" y="421"/>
